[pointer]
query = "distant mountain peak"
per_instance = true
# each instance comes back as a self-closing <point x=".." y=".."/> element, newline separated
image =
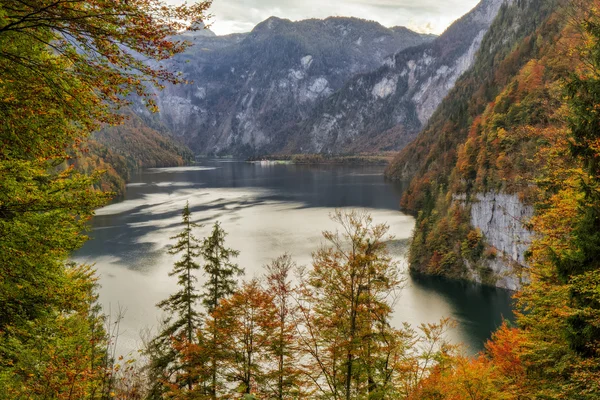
<point x="270" y="23"/>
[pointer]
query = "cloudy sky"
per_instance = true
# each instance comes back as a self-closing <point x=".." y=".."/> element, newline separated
<point x="427" y="16"/>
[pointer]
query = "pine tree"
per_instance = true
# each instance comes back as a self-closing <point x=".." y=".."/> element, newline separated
<point x="183" y="318"/>
<point x="220" y="272"/>
<point x="218" y="268"/>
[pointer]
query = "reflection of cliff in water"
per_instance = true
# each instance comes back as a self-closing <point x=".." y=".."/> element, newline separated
<point x="478" y="309"/>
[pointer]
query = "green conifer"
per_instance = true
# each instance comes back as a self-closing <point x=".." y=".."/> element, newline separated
<point x="183" y="318"/>
<point x="220" y="272"/>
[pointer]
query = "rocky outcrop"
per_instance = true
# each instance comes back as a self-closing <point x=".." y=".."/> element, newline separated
<point x="403" y="94"/>
<point x="459" y="155"/>
<point x="339" y="85"/>
<point x="502" y="219"/>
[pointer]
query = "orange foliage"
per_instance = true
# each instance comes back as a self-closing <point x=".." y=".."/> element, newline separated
<point x="499" y="373"/>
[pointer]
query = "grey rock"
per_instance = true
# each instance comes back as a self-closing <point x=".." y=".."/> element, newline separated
<point x="404" y="92"/>
<point x="502" y="219"/>
<point x="251" y="91"/>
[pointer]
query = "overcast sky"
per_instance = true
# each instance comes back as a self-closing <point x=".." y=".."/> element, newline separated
<point x="426" y="16"/>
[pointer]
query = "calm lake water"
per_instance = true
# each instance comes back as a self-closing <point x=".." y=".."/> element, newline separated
<point x="267" y="210"/>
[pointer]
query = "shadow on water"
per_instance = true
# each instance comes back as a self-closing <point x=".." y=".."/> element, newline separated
<point x="122" y="239"/>
<point x="478" y="309"/>
<point x="315" y="186"/>
<point x="119" y="234"/>
<point x="268" y="210"/>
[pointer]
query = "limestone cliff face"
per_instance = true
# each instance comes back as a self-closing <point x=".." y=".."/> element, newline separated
<point x="469" y="168"/>
<point x="501" y="218"/>
<point x="337" y="85"/>
<point x="250" y="92"/>
<point x="403" y="94"/>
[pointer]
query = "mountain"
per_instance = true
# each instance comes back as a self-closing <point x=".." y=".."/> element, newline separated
<point x="474" y="169"/>
<point x="121" y="150"/>
<point x="251" y="90"/>
<point x="384" y="109"/>
<point x="142" y="144"/>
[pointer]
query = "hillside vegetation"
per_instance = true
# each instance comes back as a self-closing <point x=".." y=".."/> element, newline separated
<point x="121" y="150"/>
<point x="485" y="137"/>
<point x="525" y="125"/>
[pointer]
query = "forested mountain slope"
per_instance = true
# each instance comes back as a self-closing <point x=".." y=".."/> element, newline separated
<point x="120" y="150"/>
<point x="519" y="129"/>
<point x="473" y="170"/>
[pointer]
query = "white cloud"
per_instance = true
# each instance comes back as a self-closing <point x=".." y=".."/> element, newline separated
<point x="427" y="16"/>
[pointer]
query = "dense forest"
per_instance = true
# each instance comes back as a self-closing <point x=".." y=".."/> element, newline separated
<point x="66" y="70"/>
<point x="525" y="121"/>
<point x="486" y="136"/>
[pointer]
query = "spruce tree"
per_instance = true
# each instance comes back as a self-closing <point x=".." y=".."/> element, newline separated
<point x="220" y="273"/>
<point x="183" y="319"/>
<point x="219" y="269"/>
<point x="181" y="305"/>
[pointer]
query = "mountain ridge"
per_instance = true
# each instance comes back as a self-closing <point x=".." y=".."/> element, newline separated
<point x="250" y="87"/>
<point x="337" y="85"/>
<point x="403" y="94"/>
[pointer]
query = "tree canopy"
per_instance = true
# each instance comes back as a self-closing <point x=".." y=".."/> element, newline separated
<point x="66" y="67"/>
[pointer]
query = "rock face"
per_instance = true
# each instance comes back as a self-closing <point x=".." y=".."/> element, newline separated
<point x="469" y="168"/>
<point x="339" y="85"/>
<point x="401" y="96"/>
<point x="252" y="90"/>
<point x="501" y="218"/>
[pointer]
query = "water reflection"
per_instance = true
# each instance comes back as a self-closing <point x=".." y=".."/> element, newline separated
<point x="478" y="310"/>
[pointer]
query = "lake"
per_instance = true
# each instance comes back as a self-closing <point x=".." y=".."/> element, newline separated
<point x="267" y="210"/>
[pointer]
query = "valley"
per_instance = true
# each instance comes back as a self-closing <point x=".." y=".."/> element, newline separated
<point x="319" y="208"/>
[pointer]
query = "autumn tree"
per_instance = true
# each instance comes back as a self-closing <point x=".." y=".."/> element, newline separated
<point x="58" y="357"/>
<point x="558" y="311"/>
<point x="581" y="265"/>
<point x="496" y="373"/>
<point x="345" y="306"/>
<point x="248" y="320"/>
<point x="65" y="69"/>
<point x="283" y="345"/>
<point x="220" y="272"/>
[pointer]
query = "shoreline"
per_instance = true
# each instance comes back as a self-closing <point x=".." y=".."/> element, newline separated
<point x="320" y="159"/>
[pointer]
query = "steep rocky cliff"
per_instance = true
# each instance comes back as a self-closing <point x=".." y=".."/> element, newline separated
<point x="474" y="169"/>
<point x="251" y="90"/>
<point x="384" y="109"/>
<point x="501" y="219"/>
<point x="339" y="85"/>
